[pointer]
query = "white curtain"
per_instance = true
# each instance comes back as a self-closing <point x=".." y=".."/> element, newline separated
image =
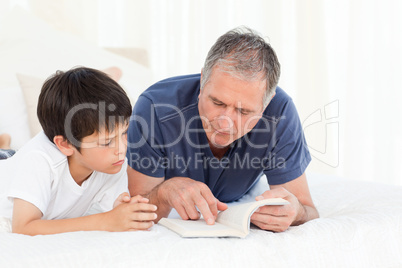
<point x="341" y="62"/>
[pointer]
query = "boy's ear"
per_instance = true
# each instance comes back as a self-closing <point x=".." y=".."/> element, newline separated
<point x="64" y="146"/>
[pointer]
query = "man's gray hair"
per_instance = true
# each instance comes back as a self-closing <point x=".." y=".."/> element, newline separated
<point x="243" y="53"/>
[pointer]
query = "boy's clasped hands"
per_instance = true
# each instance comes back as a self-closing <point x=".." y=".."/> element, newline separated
<point x="131" y="214"/>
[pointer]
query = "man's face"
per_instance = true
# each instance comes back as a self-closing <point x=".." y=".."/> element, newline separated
<point x="229" y="107"/>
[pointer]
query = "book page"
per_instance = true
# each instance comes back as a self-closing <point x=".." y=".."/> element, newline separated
<point x="238" y="217"/>
<point x="199" y="228"/>
<point x="233" y="222"/>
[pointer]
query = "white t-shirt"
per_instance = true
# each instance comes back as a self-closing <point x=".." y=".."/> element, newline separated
<point x="39" y="173"/>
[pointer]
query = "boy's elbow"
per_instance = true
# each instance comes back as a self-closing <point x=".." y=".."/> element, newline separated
<point x="21" y="229"/>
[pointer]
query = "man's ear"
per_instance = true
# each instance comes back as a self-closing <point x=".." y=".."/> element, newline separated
<point x="273" y="95"/>
<point x="64" y="146"/>
<point x="202" y="69"/>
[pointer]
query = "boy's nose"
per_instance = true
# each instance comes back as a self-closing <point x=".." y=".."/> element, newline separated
<point x="121" y="147"/>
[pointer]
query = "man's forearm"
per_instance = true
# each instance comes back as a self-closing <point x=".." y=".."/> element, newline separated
<point x="156" y="199"/>
<point x="306" y="213"/>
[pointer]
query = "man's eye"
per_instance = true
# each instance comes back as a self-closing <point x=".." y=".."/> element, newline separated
<point x="218" y="103"/>
<point x="243" y="112"/>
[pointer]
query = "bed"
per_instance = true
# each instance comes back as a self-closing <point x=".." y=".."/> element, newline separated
<point x="360" y="223"/>
<point x="360" y="226"/>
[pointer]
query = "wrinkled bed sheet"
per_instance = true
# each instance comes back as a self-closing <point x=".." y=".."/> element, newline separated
<point x="360" y="226"/>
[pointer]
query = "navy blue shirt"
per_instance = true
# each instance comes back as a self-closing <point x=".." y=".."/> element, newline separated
<point x="166" y="139"/>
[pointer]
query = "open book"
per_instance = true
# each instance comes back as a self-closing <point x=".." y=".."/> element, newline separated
<point x="233" y="222"/>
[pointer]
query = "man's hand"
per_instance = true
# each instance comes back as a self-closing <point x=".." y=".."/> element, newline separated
<point x="278" y="218"/>
<point x="130" y="214"/>
<point x="186" y="195"/>
<point x="299" y="210"/>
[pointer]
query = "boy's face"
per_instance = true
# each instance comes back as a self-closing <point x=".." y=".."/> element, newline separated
<point x="102" y="151"/>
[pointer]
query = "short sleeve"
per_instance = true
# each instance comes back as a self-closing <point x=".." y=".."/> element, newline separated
<point x="32" y="180"/>
<point x="145" y="151"/>
<point x="115" y="184"/>
<point x="290" y="155"/>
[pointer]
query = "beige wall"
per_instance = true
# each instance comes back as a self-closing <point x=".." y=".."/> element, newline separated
<point x="341" y="62"/>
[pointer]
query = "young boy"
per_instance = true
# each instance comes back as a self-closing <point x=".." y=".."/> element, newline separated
<point x="76" y="166"/>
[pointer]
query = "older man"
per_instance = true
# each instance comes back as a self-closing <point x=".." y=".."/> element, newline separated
<point x="199" y="140"/>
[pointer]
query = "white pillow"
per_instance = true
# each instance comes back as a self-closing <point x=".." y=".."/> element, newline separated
<point x="31" y="87"/>
<point x="13" y="116"/>
<point x="30" y="46"/>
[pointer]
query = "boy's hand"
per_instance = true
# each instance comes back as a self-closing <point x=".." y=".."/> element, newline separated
<point x="123" y="198"/>
<point x="134" y="214"/>
<point x="139" y="199"/>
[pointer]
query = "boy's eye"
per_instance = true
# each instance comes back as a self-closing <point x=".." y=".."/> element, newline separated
<point x="105" y="144"/>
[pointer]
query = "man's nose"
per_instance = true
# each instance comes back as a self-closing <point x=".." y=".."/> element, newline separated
<point x="225" y="122"/>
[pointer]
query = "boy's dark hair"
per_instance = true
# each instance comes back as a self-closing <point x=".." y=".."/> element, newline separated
<point x="79" y="102"/>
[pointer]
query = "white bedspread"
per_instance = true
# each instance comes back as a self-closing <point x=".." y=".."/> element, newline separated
<point x="360" y="226"/>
